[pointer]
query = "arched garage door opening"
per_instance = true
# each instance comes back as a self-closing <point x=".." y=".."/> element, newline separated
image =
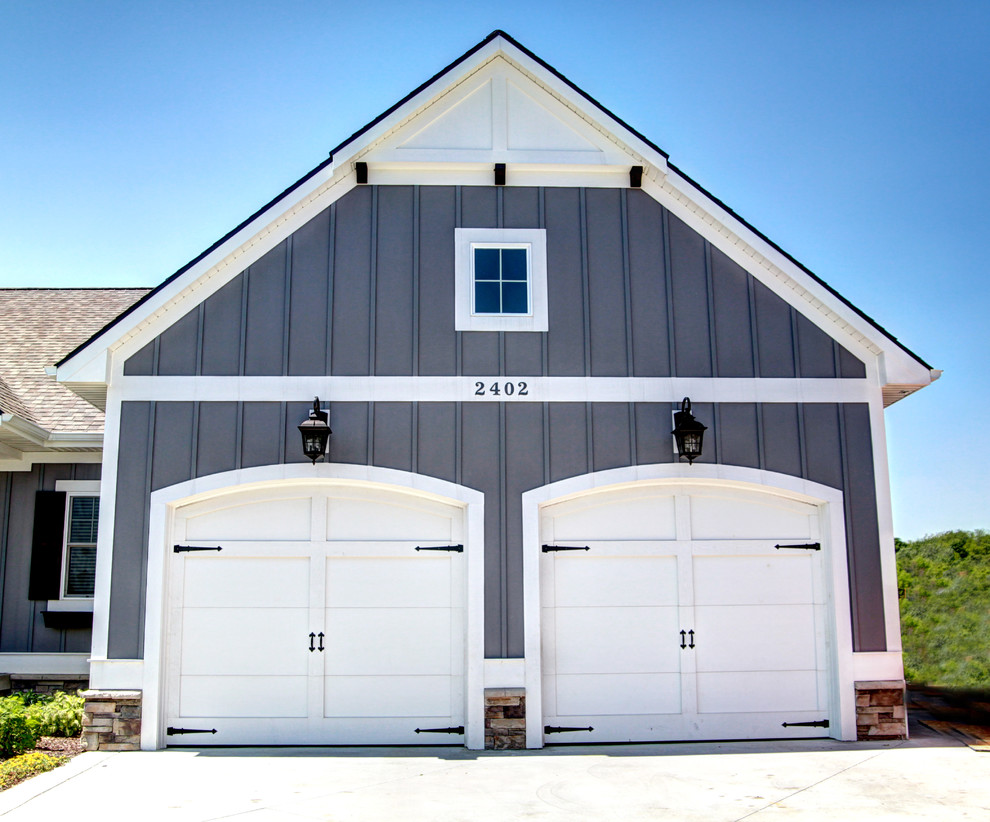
<point x="334" y="613"/>
<point x="686" y="610"/>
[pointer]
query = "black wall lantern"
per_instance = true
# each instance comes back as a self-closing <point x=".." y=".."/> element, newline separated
<point x="315" y="432"/>
<point x="688" y="432"/>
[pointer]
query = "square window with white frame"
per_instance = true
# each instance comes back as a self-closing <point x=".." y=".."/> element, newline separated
<point x="500" y="279"/>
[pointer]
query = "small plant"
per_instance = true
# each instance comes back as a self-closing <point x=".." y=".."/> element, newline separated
<point x="58" y="715"/>
<point x="18" y="726"/>
<point x="21" y="767"/>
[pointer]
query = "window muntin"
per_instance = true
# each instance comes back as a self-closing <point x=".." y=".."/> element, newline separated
<point x="82" y="515"/>
<point x="490" y="292"/>
<point x="501" y="279"/>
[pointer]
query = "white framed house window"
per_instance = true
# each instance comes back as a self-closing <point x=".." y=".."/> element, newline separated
<point x="500" y="281"/>
<point x="82" y="516"/>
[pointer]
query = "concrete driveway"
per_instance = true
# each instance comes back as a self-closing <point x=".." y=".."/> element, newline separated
<point x="931" y="777"/>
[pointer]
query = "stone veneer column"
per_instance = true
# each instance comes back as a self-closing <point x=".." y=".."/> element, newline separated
<point x="112" y="720"/>
<point x="881" y="711"/>
<point x="505" y="718"/>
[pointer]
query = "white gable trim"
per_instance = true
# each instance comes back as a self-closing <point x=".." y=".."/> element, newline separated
<point x="497" y="58"/>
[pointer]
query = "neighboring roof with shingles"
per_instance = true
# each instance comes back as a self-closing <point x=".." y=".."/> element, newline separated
<point x="39" y="326"/>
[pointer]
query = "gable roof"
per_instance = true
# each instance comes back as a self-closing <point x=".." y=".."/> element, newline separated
<point x="403" y="140"/>
<point x="37" y="327"/>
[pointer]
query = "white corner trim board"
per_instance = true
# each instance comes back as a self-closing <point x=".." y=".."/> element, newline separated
<point x="713" y="479"/>
<point x="166" y="502"/>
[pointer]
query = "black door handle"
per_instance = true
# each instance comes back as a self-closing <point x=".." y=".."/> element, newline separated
<point x="312" y="641"/>
<point x="321" y="641"/>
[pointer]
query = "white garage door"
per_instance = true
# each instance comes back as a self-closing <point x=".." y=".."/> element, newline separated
<point x="330" y="616"/>
<point x="682" y="620"/>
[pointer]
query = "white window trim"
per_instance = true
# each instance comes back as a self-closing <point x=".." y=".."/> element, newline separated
<point x="535" y="241"/>
<point x="72" y="488"/>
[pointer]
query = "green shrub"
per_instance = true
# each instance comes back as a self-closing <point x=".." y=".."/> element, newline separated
<point x="18" y="727"/>
<point x="59" y="715"/>
<point x="21" y="767"/>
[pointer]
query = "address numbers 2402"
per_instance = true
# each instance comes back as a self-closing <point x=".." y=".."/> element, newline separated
<point x="501" y="389"/>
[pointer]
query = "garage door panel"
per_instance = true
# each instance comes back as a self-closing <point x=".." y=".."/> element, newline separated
<point x="751" y="617"/>
<point x="753" y="580"/>
<point x="231" y="582"/>
<point x="753" y="692"/>
<point x="278" y="520"/>
<point x="627" y="581"/>
<point x="230" y="641"/>
<point x="632" y="515"/>
<point x="617" y="694"/>
<point x="413" y="582"/>
<point x="336" y="562"/>
<point x="374" y="641"/>
<point x="741" y="517"/>
<point x="755" y="637"/>
<point x="371" y="519"/>
<point x="382" y="696"/>
<point x="243" y="696"/>
<point x="618" y="640"/>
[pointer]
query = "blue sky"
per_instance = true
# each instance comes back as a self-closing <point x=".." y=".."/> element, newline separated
<point x="854" y="134"/>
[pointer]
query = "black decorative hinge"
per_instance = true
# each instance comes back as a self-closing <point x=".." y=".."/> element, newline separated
<point x="457" y="548"/>
<point x="458" y="730"/>
<point x="179" y="731"/>
<point x="548" y="548"/>
<point x="557" y="729"/>
<point x="807" y="546"/>
<point x="821" y="723"/>
<point x="181" y="549"/>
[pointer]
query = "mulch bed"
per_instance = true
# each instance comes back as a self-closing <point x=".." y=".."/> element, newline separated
<point x="60" y="745"/>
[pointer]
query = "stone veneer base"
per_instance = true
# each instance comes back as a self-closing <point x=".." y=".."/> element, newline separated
<point x="505" y="719"/>
<point x="881" y="710"/>
<point x="112" y="720"/>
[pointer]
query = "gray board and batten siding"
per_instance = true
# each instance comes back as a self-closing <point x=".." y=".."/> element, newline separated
<point x="366" y="288"/>
<point x="22" y="621"/>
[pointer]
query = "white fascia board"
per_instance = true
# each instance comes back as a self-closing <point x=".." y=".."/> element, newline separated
<point x="94" y="364"/>
<point x="51" y="439"/>
<point x="581" y="106"/>
<point x="779" y="273"/>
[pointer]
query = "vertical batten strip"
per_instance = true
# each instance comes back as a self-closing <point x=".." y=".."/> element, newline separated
<point x="242" y="342"/>
<point x="287" y="304"/>
<point x="710" y="301"/>
<point x="331" y="245"/>
<point x="415" y="282"/>
<point x="669" y="286"/>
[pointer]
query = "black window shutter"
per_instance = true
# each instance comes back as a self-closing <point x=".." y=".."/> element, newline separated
<point x="46" y="548"/>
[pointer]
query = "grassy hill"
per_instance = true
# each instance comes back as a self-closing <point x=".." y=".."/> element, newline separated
<point x="944" y="585"/>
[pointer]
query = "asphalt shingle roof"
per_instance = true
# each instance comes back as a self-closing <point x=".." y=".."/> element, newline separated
<point x="39" y="326"/>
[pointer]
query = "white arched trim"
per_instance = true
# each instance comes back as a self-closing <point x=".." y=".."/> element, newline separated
<point x="828" y="499"/>
<point x="166" y="501"/>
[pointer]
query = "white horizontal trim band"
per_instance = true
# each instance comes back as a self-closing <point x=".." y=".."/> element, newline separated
<point x="44" y="664"/>
<point x="483" y="389"/>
